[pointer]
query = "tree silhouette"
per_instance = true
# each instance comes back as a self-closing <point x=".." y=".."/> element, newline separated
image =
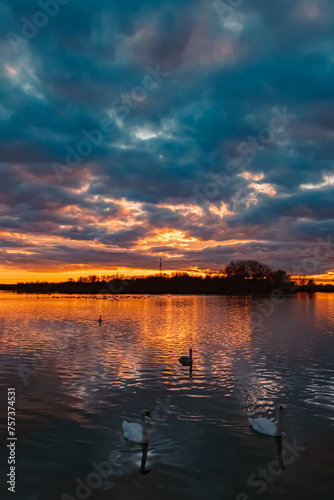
<point x="248" y="269"/>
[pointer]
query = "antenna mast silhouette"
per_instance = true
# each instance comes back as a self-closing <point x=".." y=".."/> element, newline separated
<point x="160" y="267"/>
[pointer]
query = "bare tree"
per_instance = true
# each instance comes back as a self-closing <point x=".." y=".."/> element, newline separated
<point x="300" y="280"/>
<point x="248" y="269"/>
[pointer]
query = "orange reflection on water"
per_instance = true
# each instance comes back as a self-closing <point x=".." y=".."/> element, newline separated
<point x="136" y="331"/>
<point x="141" y="338"/>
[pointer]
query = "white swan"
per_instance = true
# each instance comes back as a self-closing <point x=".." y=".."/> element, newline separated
<point x="187" y="360"/>
<point x="266" y="425"/>
<point x="136" y="432"/>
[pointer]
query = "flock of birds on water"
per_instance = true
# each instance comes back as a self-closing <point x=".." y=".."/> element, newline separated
<point x="110" y="297"/>
<point x="138" y="433"/>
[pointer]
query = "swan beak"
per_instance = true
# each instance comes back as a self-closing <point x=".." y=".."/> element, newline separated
<point x="148" y="414"/>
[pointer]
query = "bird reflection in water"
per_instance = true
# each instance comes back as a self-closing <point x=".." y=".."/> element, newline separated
<point x="142" y="469"/>
<point x="279" y="449"/>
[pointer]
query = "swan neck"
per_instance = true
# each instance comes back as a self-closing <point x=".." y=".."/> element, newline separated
<point x="143" y="425"/>
<point x="279" y="422"/>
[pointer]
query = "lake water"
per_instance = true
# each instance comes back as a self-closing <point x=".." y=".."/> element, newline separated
<point x="76" y="381"/>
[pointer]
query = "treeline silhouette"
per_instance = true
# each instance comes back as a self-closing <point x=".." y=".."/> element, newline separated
<point x="237" y="278"/>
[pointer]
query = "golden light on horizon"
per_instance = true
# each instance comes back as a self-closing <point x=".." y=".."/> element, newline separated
<point x="43" y="261"/>
<point x="10" y="275"/>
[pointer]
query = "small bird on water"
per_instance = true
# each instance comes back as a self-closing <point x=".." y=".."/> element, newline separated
<point x="137" y="432"/>
<point x="267" y="426"/>
<point x="187" y="360"/>
<point x="100" y="319"/>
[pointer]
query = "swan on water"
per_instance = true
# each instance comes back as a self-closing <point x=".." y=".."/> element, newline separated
<point x="137" y="432"/>
<point x="266" y="425"/>
<point x="100" y="319"/>
<point x="186" y="360"/>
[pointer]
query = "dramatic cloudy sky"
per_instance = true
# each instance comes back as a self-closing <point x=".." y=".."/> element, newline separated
<point x="188" y="130"/>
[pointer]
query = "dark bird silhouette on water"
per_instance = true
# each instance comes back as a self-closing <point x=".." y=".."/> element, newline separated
<point x="187" y="360"/>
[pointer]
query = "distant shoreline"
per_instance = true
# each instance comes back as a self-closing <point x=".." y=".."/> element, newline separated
<point x="169" y="286"/>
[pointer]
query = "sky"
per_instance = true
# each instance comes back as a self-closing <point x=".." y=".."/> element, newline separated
<point x="198" y="132"/>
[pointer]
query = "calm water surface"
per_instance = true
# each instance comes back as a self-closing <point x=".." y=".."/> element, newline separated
<point x="76" y="381"/>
